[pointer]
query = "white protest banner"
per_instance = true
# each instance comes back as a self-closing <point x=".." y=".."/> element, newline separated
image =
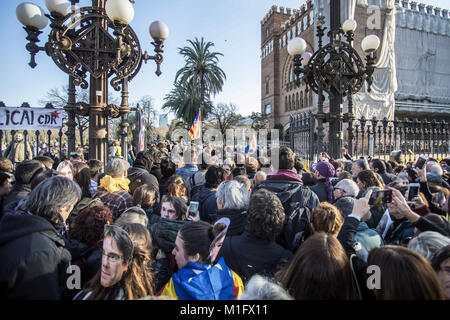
<point x="30" y="118"/>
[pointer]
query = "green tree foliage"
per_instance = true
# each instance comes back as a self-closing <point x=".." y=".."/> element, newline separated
<point x="196" y="82"/>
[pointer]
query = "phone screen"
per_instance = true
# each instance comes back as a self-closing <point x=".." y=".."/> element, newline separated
<point x="413" y="191"/>
<point x="420" y="162"/>
<point x="193" y="208"/>
<point x="380" y="197"/>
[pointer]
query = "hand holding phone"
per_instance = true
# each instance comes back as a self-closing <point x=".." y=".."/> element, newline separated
<point x="420" y="162"/>
<point x="380" y="197"/>
<point x="193" y="213"/>
<point x="413" y="192"/>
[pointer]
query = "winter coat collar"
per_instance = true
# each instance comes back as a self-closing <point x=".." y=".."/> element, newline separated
<point x="14" y="226"/>
<point x="284" y="174"/>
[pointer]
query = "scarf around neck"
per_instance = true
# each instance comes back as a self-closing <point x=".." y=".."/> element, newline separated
<point x="112" y="185"/>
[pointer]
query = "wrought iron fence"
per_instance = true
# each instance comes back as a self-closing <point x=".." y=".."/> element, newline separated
<point x="375" y="138"/>
<point x="7" y="138"/>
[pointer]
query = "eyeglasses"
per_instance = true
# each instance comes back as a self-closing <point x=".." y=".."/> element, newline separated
<point x="126" y="239"/>
<point x="113" y="257"/>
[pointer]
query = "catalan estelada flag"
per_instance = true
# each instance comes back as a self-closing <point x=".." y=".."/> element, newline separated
<point x="196" y="128"/>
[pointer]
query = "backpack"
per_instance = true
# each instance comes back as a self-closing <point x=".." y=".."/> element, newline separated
<point x="296" y="226"/>
<point x="195" y="189"/>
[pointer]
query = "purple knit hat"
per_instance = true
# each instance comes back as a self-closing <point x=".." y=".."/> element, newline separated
<point x="327" y="170"/>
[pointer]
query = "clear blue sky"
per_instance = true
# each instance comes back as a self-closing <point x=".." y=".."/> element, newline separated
<point x="232" y="25"/>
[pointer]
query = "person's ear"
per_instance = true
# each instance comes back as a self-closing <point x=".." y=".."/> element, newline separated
<point x="194" y="258"/>
<point x="125" y="267"/>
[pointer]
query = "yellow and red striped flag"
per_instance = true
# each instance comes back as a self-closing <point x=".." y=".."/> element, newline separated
<point x="196" y="128"/>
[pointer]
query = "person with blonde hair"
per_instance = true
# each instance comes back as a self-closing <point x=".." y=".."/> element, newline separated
<point x="114" y="186"/>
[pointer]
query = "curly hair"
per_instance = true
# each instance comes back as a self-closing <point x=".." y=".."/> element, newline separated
<point x="89" y="224"/>
<point x="176" y="186"/>
<point x="265" y="215"/>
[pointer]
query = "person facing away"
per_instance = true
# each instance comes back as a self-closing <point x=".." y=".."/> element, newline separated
<point x="197" y="278"/>
<point x="320" y="270"/>
<point x="114" y="186"/>
<point x="32" y="250"/>
<point x="255" y="250"/>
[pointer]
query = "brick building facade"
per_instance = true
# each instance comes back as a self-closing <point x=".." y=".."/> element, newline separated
<point x="281" y="97"/>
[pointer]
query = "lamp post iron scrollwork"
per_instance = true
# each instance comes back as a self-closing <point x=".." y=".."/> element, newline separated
<point x="98" y="40"/>
<point x="336" y="69"/>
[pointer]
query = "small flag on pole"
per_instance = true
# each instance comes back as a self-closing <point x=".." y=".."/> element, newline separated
<point x="196" y="128"/>
<point x="141" y="145"/>
<point x="251" y="146"/>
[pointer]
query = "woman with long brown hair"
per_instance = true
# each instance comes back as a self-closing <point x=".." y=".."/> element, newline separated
<point x="126" y="265"/>
<point x="320" y="270"/>
<point x="404" y="275"/>
<point x="366" y="179"/>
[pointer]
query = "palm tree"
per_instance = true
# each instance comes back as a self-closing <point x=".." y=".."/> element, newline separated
<point x="184" y="103"/>
<point x="201" y="71"/>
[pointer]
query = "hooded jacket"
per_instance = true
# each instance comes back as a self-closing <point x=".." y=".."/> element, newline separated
<point x="33" y="258"/>
<point x="138" y="175"/>
<point x="18" y="192"/>
<point x="207" y="203"/>
<point x="238" y="220"/>
<point x="289" y="187"/>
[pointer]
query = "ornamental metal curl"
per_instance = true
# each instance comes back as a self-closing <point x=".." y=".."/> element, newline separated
<point x="335" y="66"/>
<point x="79" y="43"/>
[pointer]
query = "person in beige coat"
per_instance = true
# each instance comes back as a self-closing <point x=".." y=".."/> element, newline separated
<point x="16" y="150"/>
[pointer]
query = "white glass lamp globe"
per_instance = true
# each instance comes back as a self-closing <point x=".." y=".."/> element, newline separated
<point x="296" y="46"/>
<point x="305" y="58"/>
<point x="120" y="10"/>
<point x="31" y="15"/>
<point x="59" y="6"/>
<point x="370" y="43"/>
<point x="349" y="25"/>
<point x="159" y="30"/>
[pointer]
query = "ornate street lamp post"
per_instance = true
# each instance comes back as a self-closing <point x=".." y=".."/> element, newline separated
<point x="337" y="69"/>
<point x="96" y="40"/>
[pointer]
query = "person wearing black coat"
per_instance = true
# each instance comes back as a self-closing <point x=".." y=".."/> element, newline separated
<point x="25" y="171"/>
<point x="33" y="256"/>
<point x="255" y="250"/>
<point x="140" y="174"/>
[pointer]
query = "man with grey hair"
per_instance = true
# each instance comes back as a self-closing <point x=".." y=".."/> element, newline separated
<point x="114" y="186"/>
<point x="427" y="243"/>
<point x="358" y="166"/>
<point x="345" y="192"/>
<point x="33" y="256"/>
<point x="232" y="202"/>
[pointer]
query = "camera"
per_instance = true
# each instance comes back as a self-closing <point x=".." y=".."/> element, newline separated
<point x="380" y="197"/>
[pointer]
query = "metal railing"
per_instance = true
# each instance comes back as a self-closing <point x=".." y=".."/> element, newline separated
<point x="375" y="138"/>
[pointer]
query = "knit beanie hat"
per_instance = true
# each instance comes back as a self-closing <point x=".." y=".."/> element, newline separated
<point x="327" y="170"/>
<point x="26" y="170"/>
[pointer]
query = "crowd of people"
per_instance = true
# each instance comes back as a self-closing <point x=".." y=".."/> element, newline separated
<point x="155" y="226"/>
